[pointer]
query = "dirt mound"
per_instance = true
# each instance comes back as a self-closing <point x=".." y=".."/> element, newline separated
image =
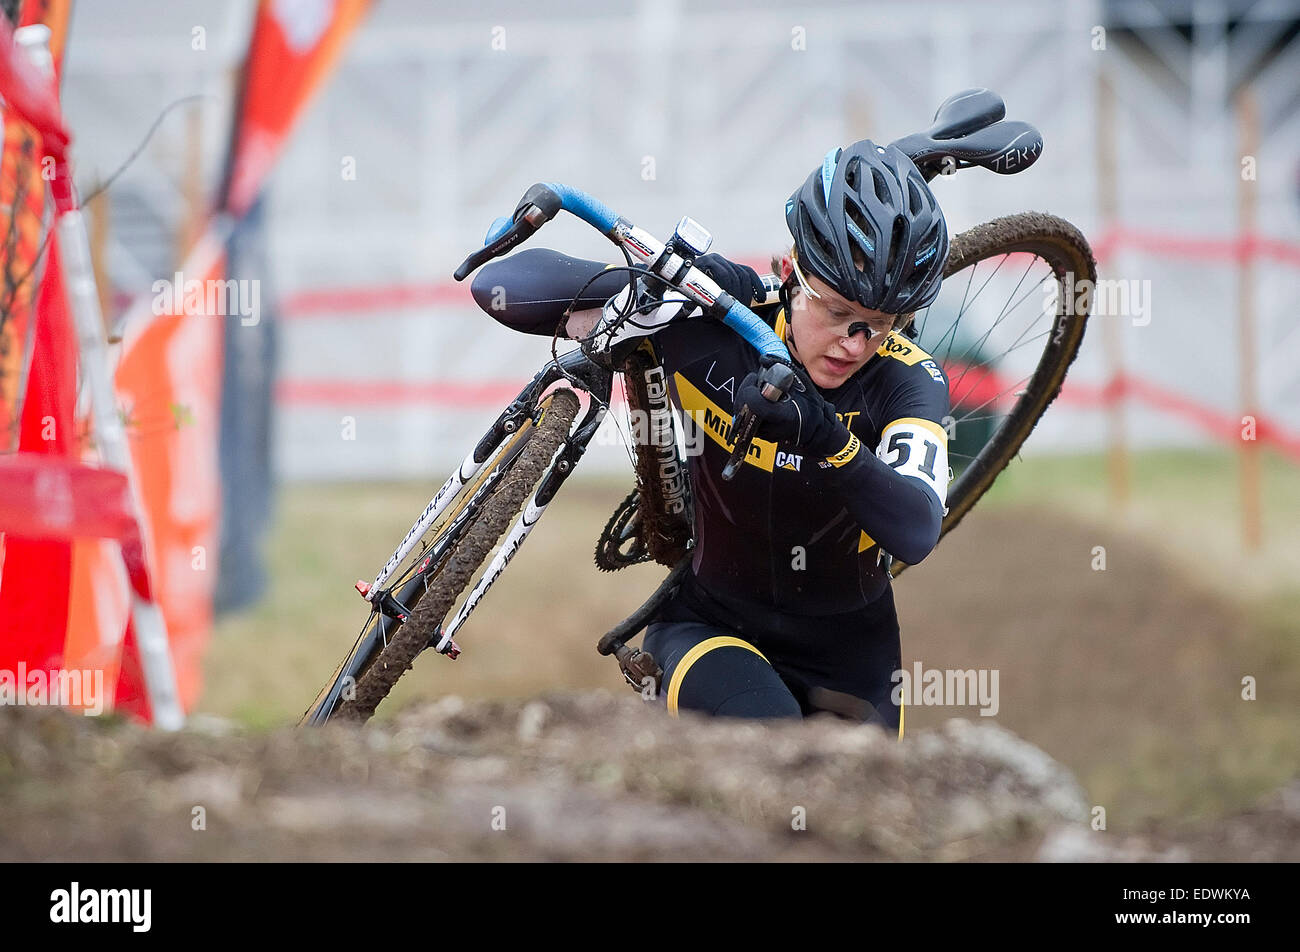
<point x="588" y="776"/>
<point x="566" y="777"/>
<point x="1270" y="833"/>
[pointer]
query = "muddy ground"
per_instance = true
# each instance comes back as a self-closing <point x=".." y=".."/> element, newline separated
<point x="1119" y="689"/>
<point x="594" y="776"/>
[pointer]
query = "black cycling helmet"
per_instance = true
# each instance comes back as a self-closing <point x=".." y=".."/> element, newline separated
<point x="872" y="199"/>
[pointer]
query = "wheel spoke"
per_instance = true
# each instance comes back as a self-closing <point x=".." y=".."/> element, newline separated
<point x="1002" y="315"/>
<point x="966" y="305"/>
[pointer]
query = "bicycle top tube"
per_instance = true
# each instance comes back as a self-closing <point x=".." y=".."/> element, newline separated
<point x="644" y="247"/>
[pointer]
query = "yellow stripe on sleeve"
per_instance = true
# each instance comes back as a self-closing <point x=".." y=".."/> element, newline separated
<point x="929" y="425"/>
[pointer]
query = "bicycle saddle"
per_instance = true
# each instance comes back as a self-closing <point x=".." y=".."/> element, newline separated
<point x="970" y="130"/>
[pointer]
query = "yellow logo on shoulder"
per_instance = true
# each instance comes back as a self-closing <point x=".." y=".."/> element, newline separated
<point x="900" y="348"/>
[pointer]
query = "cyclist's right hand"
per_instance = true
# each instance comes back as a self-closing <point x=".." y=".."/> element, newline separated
<point x="740" y="281"/>
<point x="802" y="417"/>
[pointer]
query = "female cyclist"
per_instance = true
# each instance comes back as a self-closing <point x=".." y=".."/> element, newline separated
<point x="788" y="608"/>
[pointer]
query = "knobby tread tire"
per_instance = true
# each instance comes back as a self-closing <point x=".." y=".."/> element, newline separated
<point x="498" y="512"/>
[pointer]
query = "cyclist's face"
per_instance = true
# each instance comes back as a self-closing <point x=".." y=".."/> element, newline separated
<point x="835" y="337"/>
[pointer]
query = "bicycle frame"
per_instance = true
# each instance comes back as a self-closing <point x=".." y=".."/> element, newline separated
<point x="590" y="369"/>
<point x="588" y="376"/>
<point x="539" y="204"/>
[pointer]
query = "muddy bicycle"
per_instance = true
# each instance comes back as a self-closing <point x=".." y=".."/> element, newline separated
<point x="1005" y="364"/>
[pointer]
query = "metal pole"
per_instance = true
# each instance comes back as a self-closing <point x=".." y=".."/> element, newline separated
<point x="114" y="452"/>
<point x="109" y="433"/>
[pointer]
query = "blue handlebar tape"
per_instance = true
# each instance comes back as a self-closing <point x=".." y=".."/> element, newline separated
<point x="739" y="318"/>
<point x="593" y="212"/>
<point x="749" y="326"/>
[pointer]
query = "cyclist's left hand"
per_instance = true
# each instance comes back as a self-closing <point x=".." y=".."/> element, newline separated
<point x="740" y="281"/>
<point x="803" y="417"/>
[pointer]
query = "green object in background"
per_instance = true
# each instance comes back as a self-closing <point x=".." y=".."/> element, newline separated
<point x="968" y="437"/>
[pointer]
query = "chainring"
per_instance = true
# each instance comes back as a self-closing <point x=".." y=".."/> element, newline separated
<point x="622" y="543"/>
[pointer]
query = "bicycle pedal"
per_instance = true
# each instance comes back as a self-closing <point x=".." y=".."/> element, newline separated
<point x="638" y="665"/>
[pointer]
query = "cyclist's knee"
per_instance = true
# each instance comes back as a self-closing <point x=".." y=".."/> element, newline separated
<point x="760" y="702"/>
<point x="718" y="674"/>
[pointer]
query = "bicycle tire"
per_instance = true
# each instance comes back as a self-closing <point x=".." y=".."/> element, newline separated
<point x="495" y="515"/>
<point x="368" y="645"/>
<point x="1063" y="247"/>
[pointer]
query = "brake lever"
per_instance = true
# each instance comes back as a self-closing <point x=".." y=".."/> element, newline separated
<point x="528" y="219"/>
<point x="538" y="206"/>
<point x="774" y="382"/>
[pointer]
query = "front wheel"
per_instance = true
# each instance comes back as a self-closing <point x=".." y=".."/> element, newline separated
<point x="457" y="545"/>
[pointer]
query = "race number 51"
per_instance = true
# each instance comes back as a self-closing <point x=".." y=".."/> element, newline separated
<point x="919" y="448"/>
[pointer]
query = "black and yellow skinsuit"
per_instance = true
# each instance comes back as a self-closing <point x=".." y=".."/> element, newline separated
<point x="789" y="591"/>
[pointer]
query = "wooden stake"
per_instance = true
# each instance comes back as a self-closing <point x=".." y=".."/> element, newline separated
<point x="1117" y="456"/>
<point x="1248" y="131"/>
<point x="192" y="177"/>
<point x="99" y="231"/>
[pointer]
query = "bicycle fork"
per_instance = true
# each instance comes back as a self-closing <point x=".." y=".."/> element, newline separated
<point x="566" y="460"/>
<point x="577" y="369"/>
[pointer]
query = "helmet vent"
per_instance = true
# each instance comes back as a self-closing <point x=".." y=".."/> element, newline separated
<point x="914" y="196"/>
<point x="823" y="246"/>
<point x="895" y="243"/>
<point x="819" y="200"/>
<point x="882" y="187"/>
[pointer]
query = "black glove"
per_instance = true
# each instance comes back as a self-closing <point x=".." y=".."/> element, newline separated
<point x="803" y="417"/>
<point x="738" y="280"/>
